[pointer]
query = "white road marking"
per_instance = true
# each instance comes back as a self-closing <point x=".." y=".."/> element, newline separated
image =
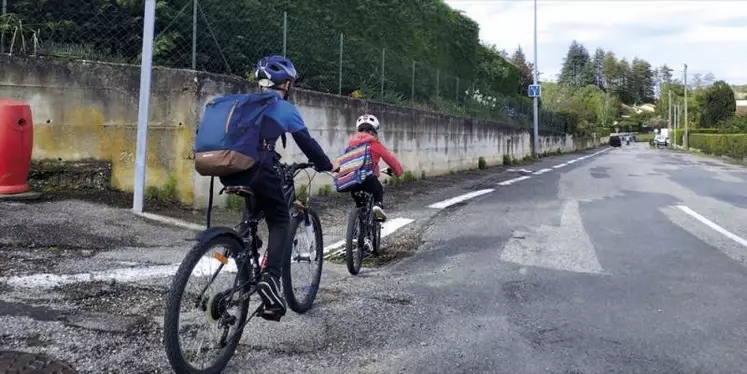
<point x="387" y="228"/>
<point x="542" y="171"/>
<point x="558" y="166"/>
<point x="519" y="170"/>
<point x="171" y="221"/>
<point x="512" y="181"/>
<point x="458" y="199"/>
<point x="565" y="247"/>
<point x="206" y="266"/>
<point x="713" y="225"/>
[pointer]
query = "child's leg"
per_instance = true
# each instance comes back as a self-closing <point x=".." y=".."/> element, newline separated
<point x="378" y="192"/>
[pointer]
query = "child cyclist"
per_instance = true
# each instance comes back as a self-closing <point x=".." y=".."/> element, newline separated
<point x="367" y="127"/>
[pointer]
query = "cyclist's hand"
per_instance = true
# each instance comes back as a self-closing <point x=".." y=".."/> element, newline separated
<point x="335" y="166"/>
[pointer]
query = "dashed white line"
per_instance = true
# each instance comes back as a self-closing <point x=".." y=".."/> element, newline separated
<point x="558" y="166"/>
<point x="171" y="221"/>
<point x="541" y="171"/>
<point x="206" y="266"/>
<point x="712" y="225"/>
<point x="512" y="181"/>
<point x="458" y="199"/>
<point x="388" y="228"/>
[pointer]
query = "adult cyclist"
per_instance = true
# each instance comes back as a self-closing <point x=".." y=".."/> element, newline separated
<point x="276" y="74"/>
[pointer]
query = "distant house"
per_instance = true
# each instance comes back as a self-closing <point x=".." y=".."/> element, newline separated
<point x="742" y="107"/>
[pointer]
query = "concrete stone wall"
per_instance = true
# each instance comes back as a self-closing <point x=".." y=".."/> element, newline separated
<point x="89" y="111"/>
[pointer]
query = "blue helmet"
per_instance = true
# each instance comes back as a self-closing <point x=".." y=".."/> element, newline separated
<point x="276" y="69"/>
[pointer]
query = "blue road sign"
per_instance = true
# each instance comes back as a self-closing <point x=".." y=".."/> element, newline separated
<point x="535" y="90"/>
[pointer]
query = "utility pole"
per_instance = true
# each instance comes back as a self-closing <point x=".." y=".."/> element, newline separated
<point x="669" y="123"/>
<point x="676" y="117"/>
<point x="536" y="99"/>
<point x="686" y="141"/>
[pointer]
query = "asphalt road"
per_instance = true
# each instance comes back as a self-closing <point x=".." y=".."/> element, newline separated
<point x="630" y="261"/>
<point x="588" y="269"/>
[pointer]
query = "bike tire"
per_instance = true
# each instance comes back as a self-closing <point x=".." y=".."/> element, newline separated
<point x="173" y="304"/>
<point x="376" y="250"/>
<point x="302" y="306"/>
<point x="353" y="266"/>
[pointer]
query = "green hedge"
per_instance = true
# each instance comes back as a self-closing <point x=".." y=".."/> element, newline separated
<point x="644" y="138"/>
<point x="732" y="145"/>
<point x="603" y="131"/>
<point x="709" y="131"/>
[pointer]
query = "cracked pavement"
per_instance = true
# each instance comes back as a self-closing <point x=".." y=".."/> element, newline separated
<point x="598" y="266"/>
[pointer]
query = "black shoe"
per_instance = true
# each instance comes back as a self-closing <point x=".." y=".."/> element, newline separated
<point x="274" y="305"/>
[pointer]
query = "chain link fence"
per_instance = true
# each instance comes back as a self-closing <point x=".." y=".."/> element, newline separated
<point x="227" y="38"/>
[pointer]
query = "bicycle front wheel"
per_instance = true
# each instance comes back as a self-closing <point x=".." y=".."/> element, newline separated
<point x="208" y="305"/>
<point x="354" y="242"/>
<point x="303" y="270"/>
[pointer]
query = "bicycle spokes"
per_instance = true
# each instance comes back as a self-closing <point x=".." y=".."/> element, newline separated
<point x="211" y="306"/>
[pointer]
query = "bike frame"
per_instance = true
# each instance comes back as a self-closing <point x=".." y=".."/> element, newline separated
<point x="248" y="260"/>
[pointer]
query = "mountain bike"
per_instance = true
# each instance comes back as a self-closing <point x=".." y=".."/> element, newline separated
<point x="364" y="232"/>
<point x="240" y="256"/>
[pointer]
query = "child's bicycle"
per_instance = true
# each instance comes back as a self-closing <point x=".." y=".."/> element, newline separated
<point x="364" y="232"/>
<point x="224" y="307"/>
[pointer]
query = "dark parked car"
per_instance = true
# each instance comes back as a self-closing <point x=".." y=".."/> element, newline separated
<point x="615" y="141"/>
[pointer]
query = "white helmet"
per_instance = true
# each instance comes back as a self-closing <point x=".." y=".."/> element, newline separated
<point x="369" y="119"/>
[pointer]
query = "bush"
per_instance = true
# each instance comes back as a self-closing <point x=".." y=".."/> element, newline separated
<point x="603" y="131"/>
<point x="644" y="138"/>
<point x="732" y="145"/>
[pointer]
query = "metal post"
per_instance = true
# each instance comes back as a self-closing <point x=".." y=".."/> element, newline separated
<point x="383" y="54"/>
<point x="285" y="33"/>
<point x="457" y="90"/>
<point x="534" y="79"/>
<point x="412" y="88"/>
<point x="194" y="35"/>
<point x="146" y="67"/>
<point x="339" y="84"/>
<point x="669" y="123"/>
<point x="686" y="141"/>
<point x="676" y="118"/>
<point x="438" y="82"/>
<point x="2" y="38"/>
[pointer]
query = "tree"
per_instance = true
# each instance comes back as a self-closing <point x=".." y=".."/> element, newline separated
<point x="577" y="70"/>
<point x="625" y="89"/>
<point x="665" y="74"/>
<point x="598" y="64"/>
<point x="642" y="81"/>
<point x="719" y="105"/>
<point x="525" y="77"/>
<point x="609" y="72"/>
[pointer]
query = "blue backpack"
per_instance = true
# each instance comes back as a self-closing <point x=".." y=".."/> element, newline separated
<point x="229" y="135"/>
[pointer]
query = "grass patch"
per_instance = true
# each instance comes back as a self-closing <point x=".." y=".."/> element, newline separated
<point x="235" y="203"/>
<point x="325" y="190"/>
<point x="166" y="192"/>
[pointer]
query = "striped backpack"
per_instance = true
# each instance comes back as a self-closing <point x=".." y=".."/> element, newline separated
<point x="356" y="164"/>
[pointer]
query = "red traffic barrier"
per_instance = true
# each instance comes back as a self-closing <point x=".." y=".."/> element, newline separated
<point x="16" y="145"/>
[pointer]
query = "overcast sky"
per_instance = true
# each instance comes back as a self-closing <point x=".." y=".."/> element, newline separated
<point x="706" y="35"/>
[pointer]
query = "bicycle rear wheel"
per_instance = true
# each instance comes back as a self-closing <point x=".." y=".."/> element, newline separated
<point x="309" y="250"/>
<point x="354" y="242"/>
<point x="376" y="234"/>
<point x="210" y="307"/>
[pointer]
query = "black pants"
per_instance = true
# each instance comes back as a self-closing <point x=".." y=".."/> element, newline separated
<point x="372" y="185"/>
<point x="267" y="186"/>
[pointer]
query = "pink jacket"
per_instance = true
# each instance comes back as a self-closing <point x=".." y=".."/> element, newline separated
<point x="378" y="151"/>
